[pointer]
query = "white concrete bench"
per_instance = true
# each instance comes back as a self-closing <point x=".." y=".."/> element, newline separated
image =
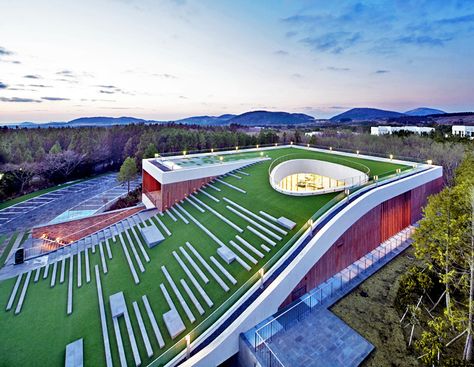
<point x="213" y="187"/>
<point x="254" y="223"/>
<point x="267" y="249"/>
<point x="195" y="205"/>
<point x="37" y="275"/>
<point x="23" y="293"/>
<point x="46" y="270"/>
<point x="179" y="215"/>
<point x="79" y="269"/>
<point x="198" y="270"/>
<point x="178" y="294"/>
<point x="268" y="216"/>
<point x="14" y="291"/>
<point x="63" y="269"/>
<point x="171" y="216"/>
<point x="141" y="325"/>
<point x="88" y="271"/>
<point x="250" y="247"/>
<point x="233" y="175"/>
<point x="223" y="270"/>
<point x="244" y="253"/>
<point x="193" y="280"/>
<point x="209" y="195"/>
<point x="134" y="251"/>
<point x="173" y="321"/>
<point x="208" y="232"/>
<point x="261" y="235"/>
<point x="103" y="319"/>
<point x="163" y="226"/>
<point x="219" y="215"/>
<point x="260" y="219"/>
<point x="53" y="276"/>
<point x="129" y="260"/>
<point x="192" y="297"/>
<point x="102" y="258"/>
<point x="69" y="285"/>
<point x="231" y="186"/>
<point x="140" y="244"/>
<point x="153" y="322"/>
<point x="211" y="271"/>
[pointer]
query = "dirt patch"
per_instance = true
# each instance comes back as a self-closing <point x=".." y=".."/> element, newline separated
<point x="370" y="310"/>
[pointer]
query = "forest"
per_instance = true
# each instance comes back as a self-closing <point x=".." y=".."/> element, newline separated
<point x="32" y="159"/>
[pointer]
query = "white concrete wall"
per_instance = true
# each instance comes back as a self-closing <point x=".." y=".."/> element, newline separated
<point x="193" y="173"/>
<point x="349" y="175"/>
<point x="227" y="344"/>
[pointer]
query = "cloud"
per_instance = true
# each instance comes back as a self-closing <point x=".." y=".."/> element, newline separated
<point x="66" y="73"/>
<point x="107" y="91"/>
<point x="5" y="52"/>
<point x="335" y="68"/>
<point x="67" y="80"/>
<point x="40" y="86"/>
<point x="382" y="71"/>
<point x="281" y="53"/>
<point x="3" y="86"/>
<point x="291" y="34"/>
<point x="183" y="97"/>
<point x="296" y="75"/>
<point x="107" y="86"/>
<point x="55" y="99"/>
<point x="423" y="40"/>
<point x="469" y="18"/>
<point x="165" y="75"/>
<point x="32" y="76"/>
<point x="333" y="42"/>
<point x="19" y="100"/>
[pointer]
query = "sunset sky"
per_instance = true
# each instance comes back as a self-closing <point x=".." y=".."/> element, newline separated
<point x="162" y="60"/>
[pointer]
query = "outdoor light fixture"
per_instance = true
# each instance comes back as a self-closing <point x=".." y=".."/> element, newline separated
<point x="1" y="175"/>
<point x="188" y="348"/>
<point x="184" y="152"/>
<point x="276" y="144"/>
<point x="237" y="148"/>
<point x="357" y="152"/>
<point x="429" y="161"/>
<point x="330" y="148"/>
<point x="391" y="157"/>
<point x="376" y="178"/>
<point x="257" y="146"/>
<point x="212" y="150"/>
<point x="307" y="145"/>
<point x="291" y="143"/>
<point x="261" y="272"/>
<point x="221" y="158"/>
<point x="157" y="155"/>
<point x="261" y="153"/>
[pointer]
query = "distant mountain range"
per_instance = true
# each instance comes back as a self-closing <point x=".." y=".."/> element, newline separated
<point x="368" y="114"/>
<point x="252" y="118"/>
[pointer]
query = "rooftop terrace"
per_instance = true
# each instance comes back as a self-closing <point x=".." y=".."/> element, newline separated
<point x="61" y="301"/>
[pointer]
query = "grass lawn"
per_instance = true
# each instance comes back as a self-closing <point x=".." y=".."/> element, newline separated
<point x="375" y="317"/>
<point x="43" y="329"/>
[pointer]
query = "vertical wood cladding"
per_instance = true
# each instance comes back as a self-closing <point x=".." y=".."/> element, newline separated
<point x="149" y="182"/>
<point x="367" y="233"/>
<point x="172" y="193"/>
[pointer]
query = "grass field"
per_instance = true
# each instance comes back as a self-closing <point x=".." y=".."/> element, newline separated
<point x="40" y="333"/>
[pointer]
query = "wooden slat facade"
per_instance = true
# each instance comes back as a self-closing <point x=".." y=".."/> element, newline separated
<point x="367" y="233"/>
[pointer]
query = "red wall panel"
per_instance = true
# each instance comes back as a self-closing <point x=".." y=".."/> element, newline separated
<point x="367" y="233"/>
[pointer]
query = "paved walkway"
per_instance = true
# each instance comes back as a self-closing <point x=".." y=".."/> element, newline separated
<point x="42" y="209"/>
<point x="301" y="345"/>
<point x="306" y="333"/>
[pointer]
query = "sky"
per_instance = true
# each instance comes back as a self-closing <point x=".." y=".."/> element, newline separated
<point x="168" y="59"/>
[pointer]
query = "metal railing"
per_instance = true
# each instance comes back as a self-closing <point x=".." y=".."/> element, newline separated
<point x="305" y="306"/>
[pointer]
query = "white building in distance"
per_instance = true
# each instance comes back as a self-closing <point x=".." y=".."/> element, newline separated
<point x="384" y="130"/>
<point x="463" y="131"/>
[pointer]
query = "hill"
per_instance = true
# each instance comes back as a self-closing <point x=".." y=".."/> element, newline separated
<point x="206" y="120"/>
<point x="100" y="120"/>
<point x="360" y="114"/>
<point x="424" y="111"/>
<point x="266" y="118"/>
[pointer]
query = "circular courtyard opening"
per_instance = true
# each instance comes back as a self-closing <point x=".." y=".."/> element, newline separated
<point x="302" y="177"/>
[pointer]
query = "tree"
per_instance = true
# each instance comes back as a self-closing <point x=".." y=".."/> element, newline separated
<point x="56" y="148"/>
<point x="150" y="151"/>
<point x="128" y="171"/>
